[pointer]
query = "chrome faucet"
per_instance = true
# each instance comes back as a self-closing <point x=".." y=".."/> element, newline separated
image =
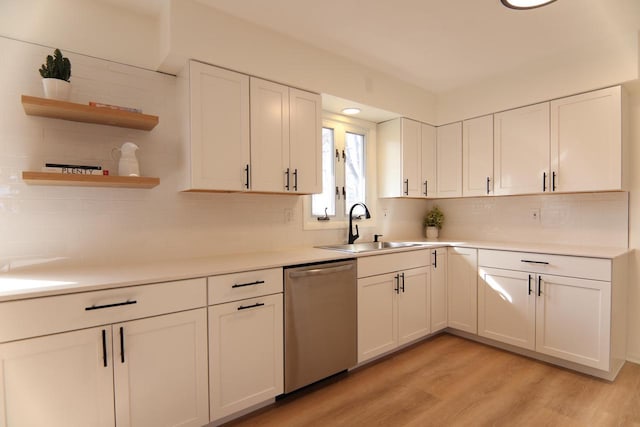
<point x="353" y="237"/>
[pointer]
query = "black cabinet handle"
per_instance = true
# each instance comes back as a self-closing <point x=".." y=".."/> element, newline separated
<point x="397" y="288"/>
<point x="242" y="285"/>
<point x="426" y="188"/>
<point x="246" y="171"/>
<point x="286" y="187"/>
<point x="534" y="262"/>
<point x="529" y="283"/>
<point x="435" y="259"/>
<point x="402" y="275"/>
<point x="121" y="344"/>
<point x="553" y="181"/>
<point x="104" y="348"/>
<point x="244" y="307"/>
<point x="117" y="304"/>
<point x="539" y="285"/>
<point x="406" y="187"/>
<point x="488" y="181"/>
<point x="295" y="180"/>
<point x="544" y="182"/>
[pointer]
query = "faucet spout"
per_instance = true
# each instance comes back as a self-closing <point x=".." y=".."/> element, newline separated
<point x="354" y="236"/>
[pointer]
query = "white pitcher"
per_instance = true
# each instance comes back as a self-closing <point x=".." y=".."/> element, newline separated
<point x="128" y="164"/>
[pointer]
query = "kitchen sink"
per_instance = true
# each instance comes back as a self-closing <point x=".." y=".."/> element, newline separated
<point x="369" y="246"/>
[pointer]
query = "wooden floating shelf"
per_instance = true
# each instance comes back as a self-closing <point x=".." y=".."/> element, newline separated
<point x="55" y="109"/>
<point x="78" y="180"/>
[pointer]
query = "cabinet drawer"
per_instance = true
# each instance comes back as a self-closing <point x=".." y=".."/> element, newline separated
<point x="387" y="263"/>
<point x="248" y="284"/>
<point x="560" y="265"/>
<point x="41" y="316"/>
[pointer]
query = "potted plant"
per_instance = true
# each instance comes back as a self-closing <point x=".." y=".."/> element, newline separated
<point x="56" y="73"/>
<point x="433" y="221"/>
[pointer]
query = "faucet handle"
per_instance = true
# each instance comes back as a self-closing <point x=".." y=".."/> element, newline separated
<point x="376" y="237"/>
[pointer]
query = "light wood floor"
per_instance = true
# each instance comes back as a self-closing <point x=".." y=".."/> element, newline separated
<point x="449" y="381"/>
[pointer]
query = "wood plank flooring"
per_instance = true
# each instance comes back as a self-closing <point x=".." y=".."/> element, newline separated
<point x="450" y="381"/>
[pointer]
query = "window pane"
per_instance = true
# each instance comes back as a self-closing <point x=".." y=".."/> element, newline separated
<point x="354" y="173"/>
<point x="326" y="199"/>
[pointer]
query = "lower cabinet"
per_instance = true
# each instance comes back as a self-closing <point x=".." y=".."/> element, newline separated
<point x="246" y="340"/>
<point x="462" y="280"/>
<point x="393" y="309"/>
<point x="139" y="373"/>
<point x="438" y="289"/>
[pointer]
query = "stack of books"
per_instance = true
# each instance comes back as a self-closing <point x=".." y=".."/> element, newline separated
<point x="74" y="169"/>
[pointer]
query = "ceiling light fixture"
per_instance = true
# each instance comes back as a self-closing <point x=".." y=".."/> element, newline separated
<point x="350" y="111"/>
<point x="525" y="4"/>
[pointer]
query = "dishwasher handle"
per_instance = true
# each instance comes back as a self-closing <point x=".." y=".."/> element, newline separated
<point x="320" y="271"/>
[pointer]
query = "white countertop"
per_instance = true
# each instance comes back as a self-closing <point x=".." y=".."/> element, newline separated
<point x="56" y="278"/>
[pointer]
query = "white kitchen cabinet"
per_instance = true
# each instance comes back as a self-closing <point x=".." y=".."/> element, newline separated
<point x="160" y="370"/>
<point x="216" y="146"/>
<point x="438" y="289"/>
<point x="586" y="142"/>
<point x="246" y="339"/>
<point x="462" y="291"/>
<point x="521" y="150"/>
<point x="393" y="306"/>
<point x="136" y="356"/>
<point x="477" y="156"/>
<point x="58" y="380"/>
<point x="576" y="314"/>
<point x="286" y="150"/>
<point x="449" y="160"/>
<point x="507" y="306"/>
<point x="406" y="159"/>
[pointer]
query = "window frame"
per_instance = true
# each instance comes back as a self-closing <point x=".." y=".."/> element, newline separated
<point x="345" y="124"/>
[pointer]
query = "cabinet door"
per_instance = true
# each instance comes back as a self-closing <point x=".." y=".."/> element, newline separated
<point x="376" y="315"/>
<point x="449" y="160"/>
<point x="573" y="318"/>
<point x="429" y="159"/>
<point x="246" y="362"/>
<point x="305" y="141"/>
<point x="160" y="370"/>
<point x="438" y="289"/>
<point x="414" y="305"/>
<point x="58" y="380"/>
<point x="462" y="292"/>
<point x="477" y="156"/>
<point x="507" y="306"/>
<point x="219" y="104"/>
<point x="586" y="142"/>
<point x="411" y="169"/>
<point x="270" y="137"/>
<point x="521" y="150"/>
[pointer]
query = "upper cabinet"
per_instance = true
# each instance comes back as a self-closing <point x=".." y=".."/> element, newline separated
<point x="521" y="150"/>
<point x="586" y="142"/>
<point x="217" y="146"/>
<point x="249" y="134"/>
<point x="406" y="159"/>
<point x="449" y="160"/>
<point x="477" y="156"/>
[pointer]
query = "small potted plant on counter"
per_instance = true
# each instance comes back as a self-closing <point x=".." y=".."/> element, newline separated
<point x="56" y="72"/>
<point x="433" y="221"/>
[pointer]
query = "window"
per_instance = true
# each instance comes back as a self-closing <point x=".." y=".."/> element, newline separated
<point x="345" y="154"/>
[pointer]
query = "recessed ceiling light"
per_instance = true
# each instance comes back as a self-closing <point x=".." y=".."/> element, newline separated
<point x="525" y="4"/>
<point x="350" y="111"/>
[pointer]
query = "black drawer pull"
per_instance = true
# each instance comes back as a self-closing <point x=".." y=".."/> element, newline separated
<point x="242" y="285"/>
<point x="244" y="307"/>
<point x="534" y="262"/>
<point x="118" y="304"/>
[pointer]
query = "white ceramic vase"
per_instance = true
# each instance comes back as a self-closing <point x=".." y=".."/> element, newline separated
<point x="432" y="233"/>
<point x="56" y="89"/>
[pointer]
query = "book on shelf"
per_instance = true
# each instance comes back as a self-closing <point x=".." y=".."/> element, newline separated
<point x="73" y="169"/>
<point x="115" y="107"/>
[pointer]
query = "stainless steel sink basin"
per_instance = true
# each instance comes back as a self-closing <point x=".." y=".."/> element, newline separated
<point x="369" y="246"/>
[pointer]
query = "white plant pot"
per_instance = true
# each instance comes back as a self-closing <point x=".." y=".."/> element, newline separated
<point x="56" y="89"/>
<point x="432" y="233"/>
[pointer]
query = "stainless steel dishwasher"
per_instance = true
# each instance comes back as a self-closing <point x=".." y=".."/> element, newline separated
<point x="319" y="321"/>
